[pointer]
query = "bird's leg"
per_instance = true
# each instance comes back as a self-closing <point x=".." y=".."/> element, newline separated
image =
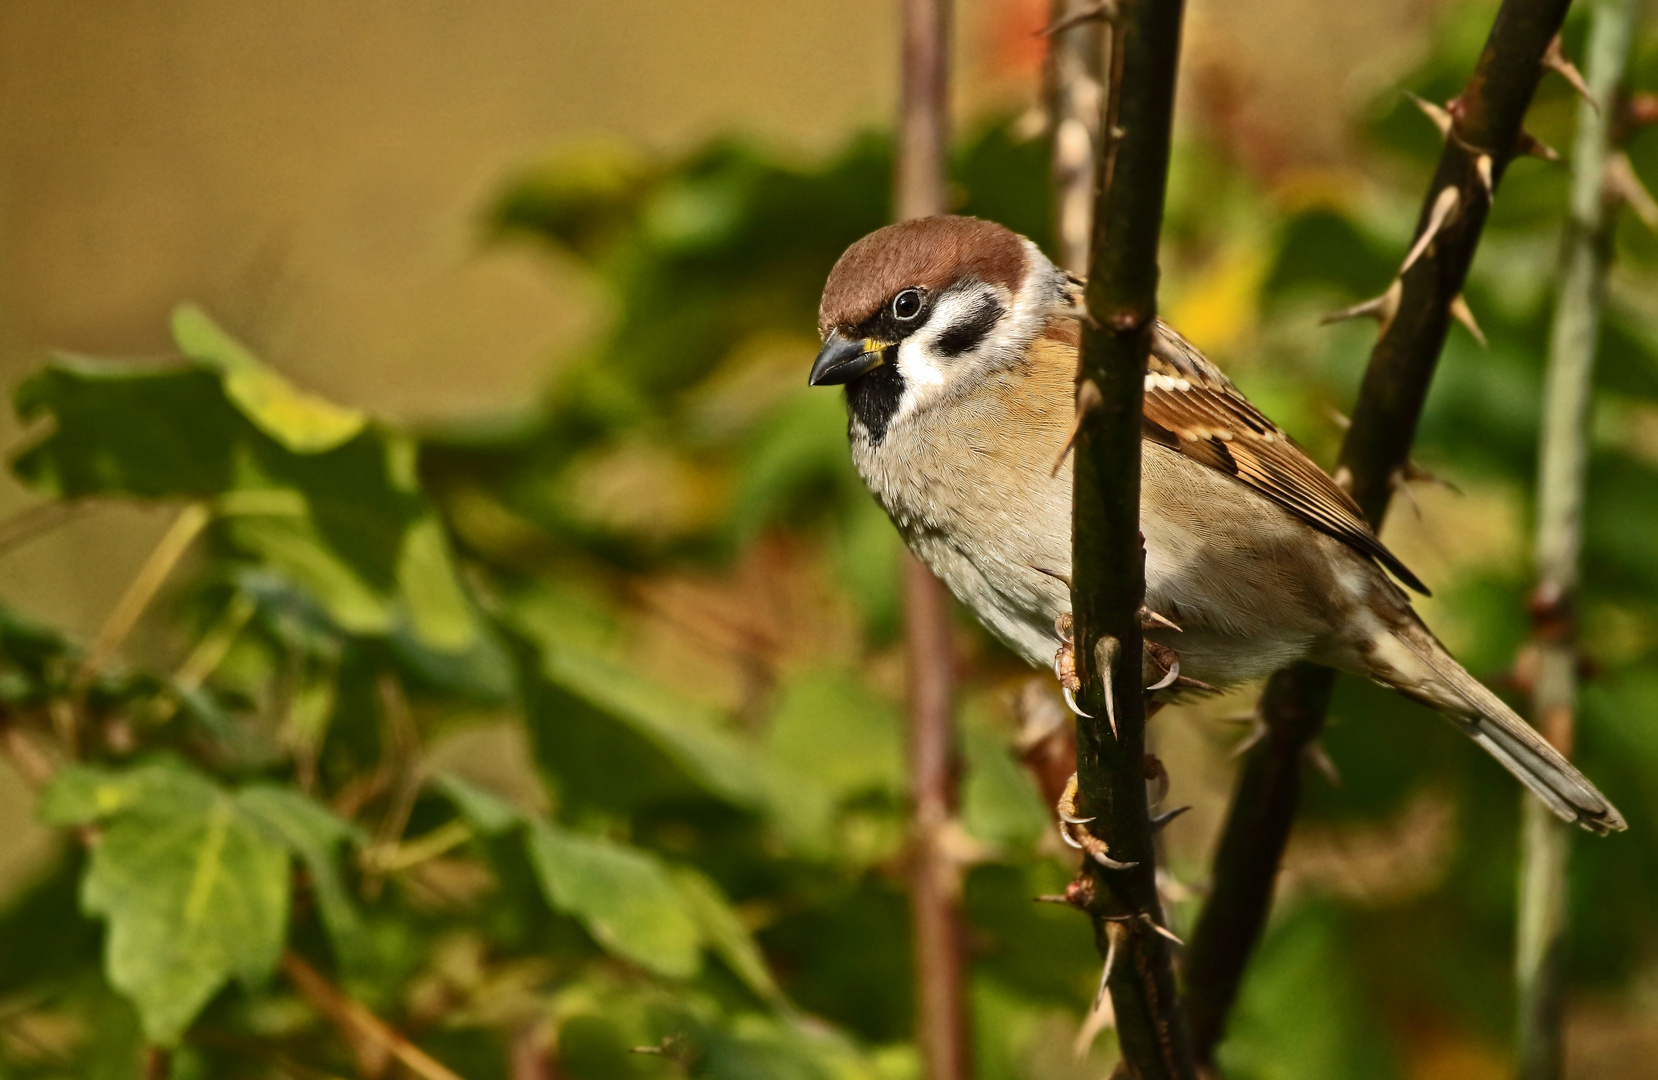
<point x="1065" y="664"/>
<point x="1081" y="838"/>
<point x="1168" y="661"/>
<point x="1165" y="658"/>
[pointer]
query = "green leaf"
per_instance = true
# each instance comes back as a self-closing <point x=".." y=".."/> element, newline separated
<point x="830" y="739"/>
<point x="194" y="888"/>
<point x="829" y="726"/>
<point x="484" y="810"/>
<point x="726" y="934"/>
<point x="437" y="605"/>
<point x="304" y="423"/>
<point x="999" y="800"/>
<point x="314" y="833"/>
<point x="305" y="486"/>
<point x="691" y="735"/>
<point x="292" y="546"/>
<point x="623" y="896"/>
<point x="127" y="429"/>
<point x="1302" y="1012"/>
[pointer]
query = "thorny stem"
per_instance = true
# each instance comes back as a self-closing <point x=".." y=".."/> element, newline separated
<point x="1484" y="137"/>
<point x="1562" y="463"/>
<point x="934" y="756"/>
<point x="1108" y="576"/>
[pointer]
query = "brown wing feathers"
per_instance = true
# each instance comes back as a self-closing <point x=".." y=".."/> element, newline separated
<point x="1190" y="406"/>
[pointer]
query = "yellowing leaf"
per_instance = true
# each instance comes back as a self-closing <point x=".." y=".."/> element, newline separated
<point x="302" y="422"/>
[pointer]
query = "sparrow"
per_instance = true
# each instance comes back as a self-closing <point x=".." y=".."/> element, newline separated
<point x="957" y="342"/>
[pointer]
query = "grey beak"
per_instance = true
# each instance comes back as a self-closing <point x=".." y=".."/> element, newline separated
<point x="842" y="359"/>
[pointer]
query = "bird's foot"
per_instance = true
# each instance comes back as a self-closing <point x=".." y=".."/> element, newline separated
<point x="1065" y="664"/>
<point x="1072" y="830"/>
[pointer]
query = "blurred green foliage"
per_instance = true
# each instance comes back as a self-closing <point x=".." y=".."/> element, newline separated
<point x="664" y="600"/>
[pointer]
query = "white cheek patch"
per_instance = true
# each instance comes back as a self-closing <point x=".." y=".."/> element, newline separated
<point x="933" y="370"/>
<point x="927" y="371"/>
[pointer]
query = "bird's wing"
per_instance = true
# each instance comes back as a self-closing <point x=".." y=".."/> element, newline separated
<point x="1193" y="408"/>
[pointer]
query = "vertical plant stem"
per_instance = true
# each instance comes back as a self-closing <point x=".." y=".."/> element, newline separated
<point x="934" y="756"/>
<point x="1415" y="313"/>
<point x="1108" y="572"/>
<point x="1562" y="462"/>
<point x="1074" y="90"/>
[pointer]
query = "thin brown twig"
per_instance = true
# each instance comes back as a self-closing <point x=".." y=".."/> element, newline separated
<point x="371" y="1039"/>
<point x="530" y="1057"/>
<point x="29" y="760"/>
<point x="158" y="1063"/>
<point x="934" y="755"/>
<point x="402" y="754"/>
<point x="1108" y="572"/>
<point x="1486" y="134"/>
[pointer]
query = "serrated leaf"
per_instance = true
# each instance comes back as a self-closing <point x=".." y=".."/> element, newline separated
<point x="302" y="422"/>
<point x="195" y="889"/>
<point x="623" y="896"/>
<point x="304" y="486"/>
<point x="127" y="429"/>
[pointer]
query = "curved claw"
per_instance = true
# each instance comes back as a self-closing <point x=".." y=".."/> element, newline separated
<point x="1065" y="835"/>
<point x="1168" y="679"/>
<point x="1112" y="864"/>
<point x="1072" y="819"/>
<point x="1071" y="703"/>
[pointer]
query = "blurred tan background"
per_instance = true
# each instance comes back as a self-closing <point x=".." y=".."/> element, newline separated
<point x="313" y="172"/>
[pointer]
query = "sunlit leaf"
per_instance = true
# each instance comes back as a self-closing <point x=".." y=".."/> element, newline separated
<point x="624" y="897"/>
<point x="304" y="423"/>
<point x="194" y="888"/>
<point x="437" y="606"/>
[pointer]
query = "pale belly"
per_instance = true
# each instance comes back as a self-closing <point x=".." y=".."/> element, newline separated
<point x="1220" y="564"/>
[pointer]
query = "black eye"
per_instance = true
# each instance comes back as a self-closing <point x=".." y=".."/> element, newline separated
<point x="907" y="304"/>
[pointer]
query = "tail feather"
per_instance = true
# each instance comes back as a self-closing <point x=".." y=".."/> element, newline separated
<point x="1446" y="686"/>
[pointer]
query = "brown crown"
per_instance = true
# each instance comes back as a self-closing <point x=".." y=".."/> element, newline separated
<point x="929" y="253"/>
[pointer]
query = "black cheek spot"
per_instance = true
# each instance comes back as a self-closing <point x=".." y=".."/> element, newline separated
<point x="971" y="329"/>
<point x="873" y="399"/>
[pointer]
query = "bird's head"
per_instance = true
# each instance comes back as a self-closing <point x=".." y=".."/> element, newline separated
<point x="916" y="314"/>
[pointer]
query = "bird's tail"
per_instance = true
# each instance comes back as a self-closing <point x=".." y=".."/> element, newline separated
<point x="1424" y="670"/>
